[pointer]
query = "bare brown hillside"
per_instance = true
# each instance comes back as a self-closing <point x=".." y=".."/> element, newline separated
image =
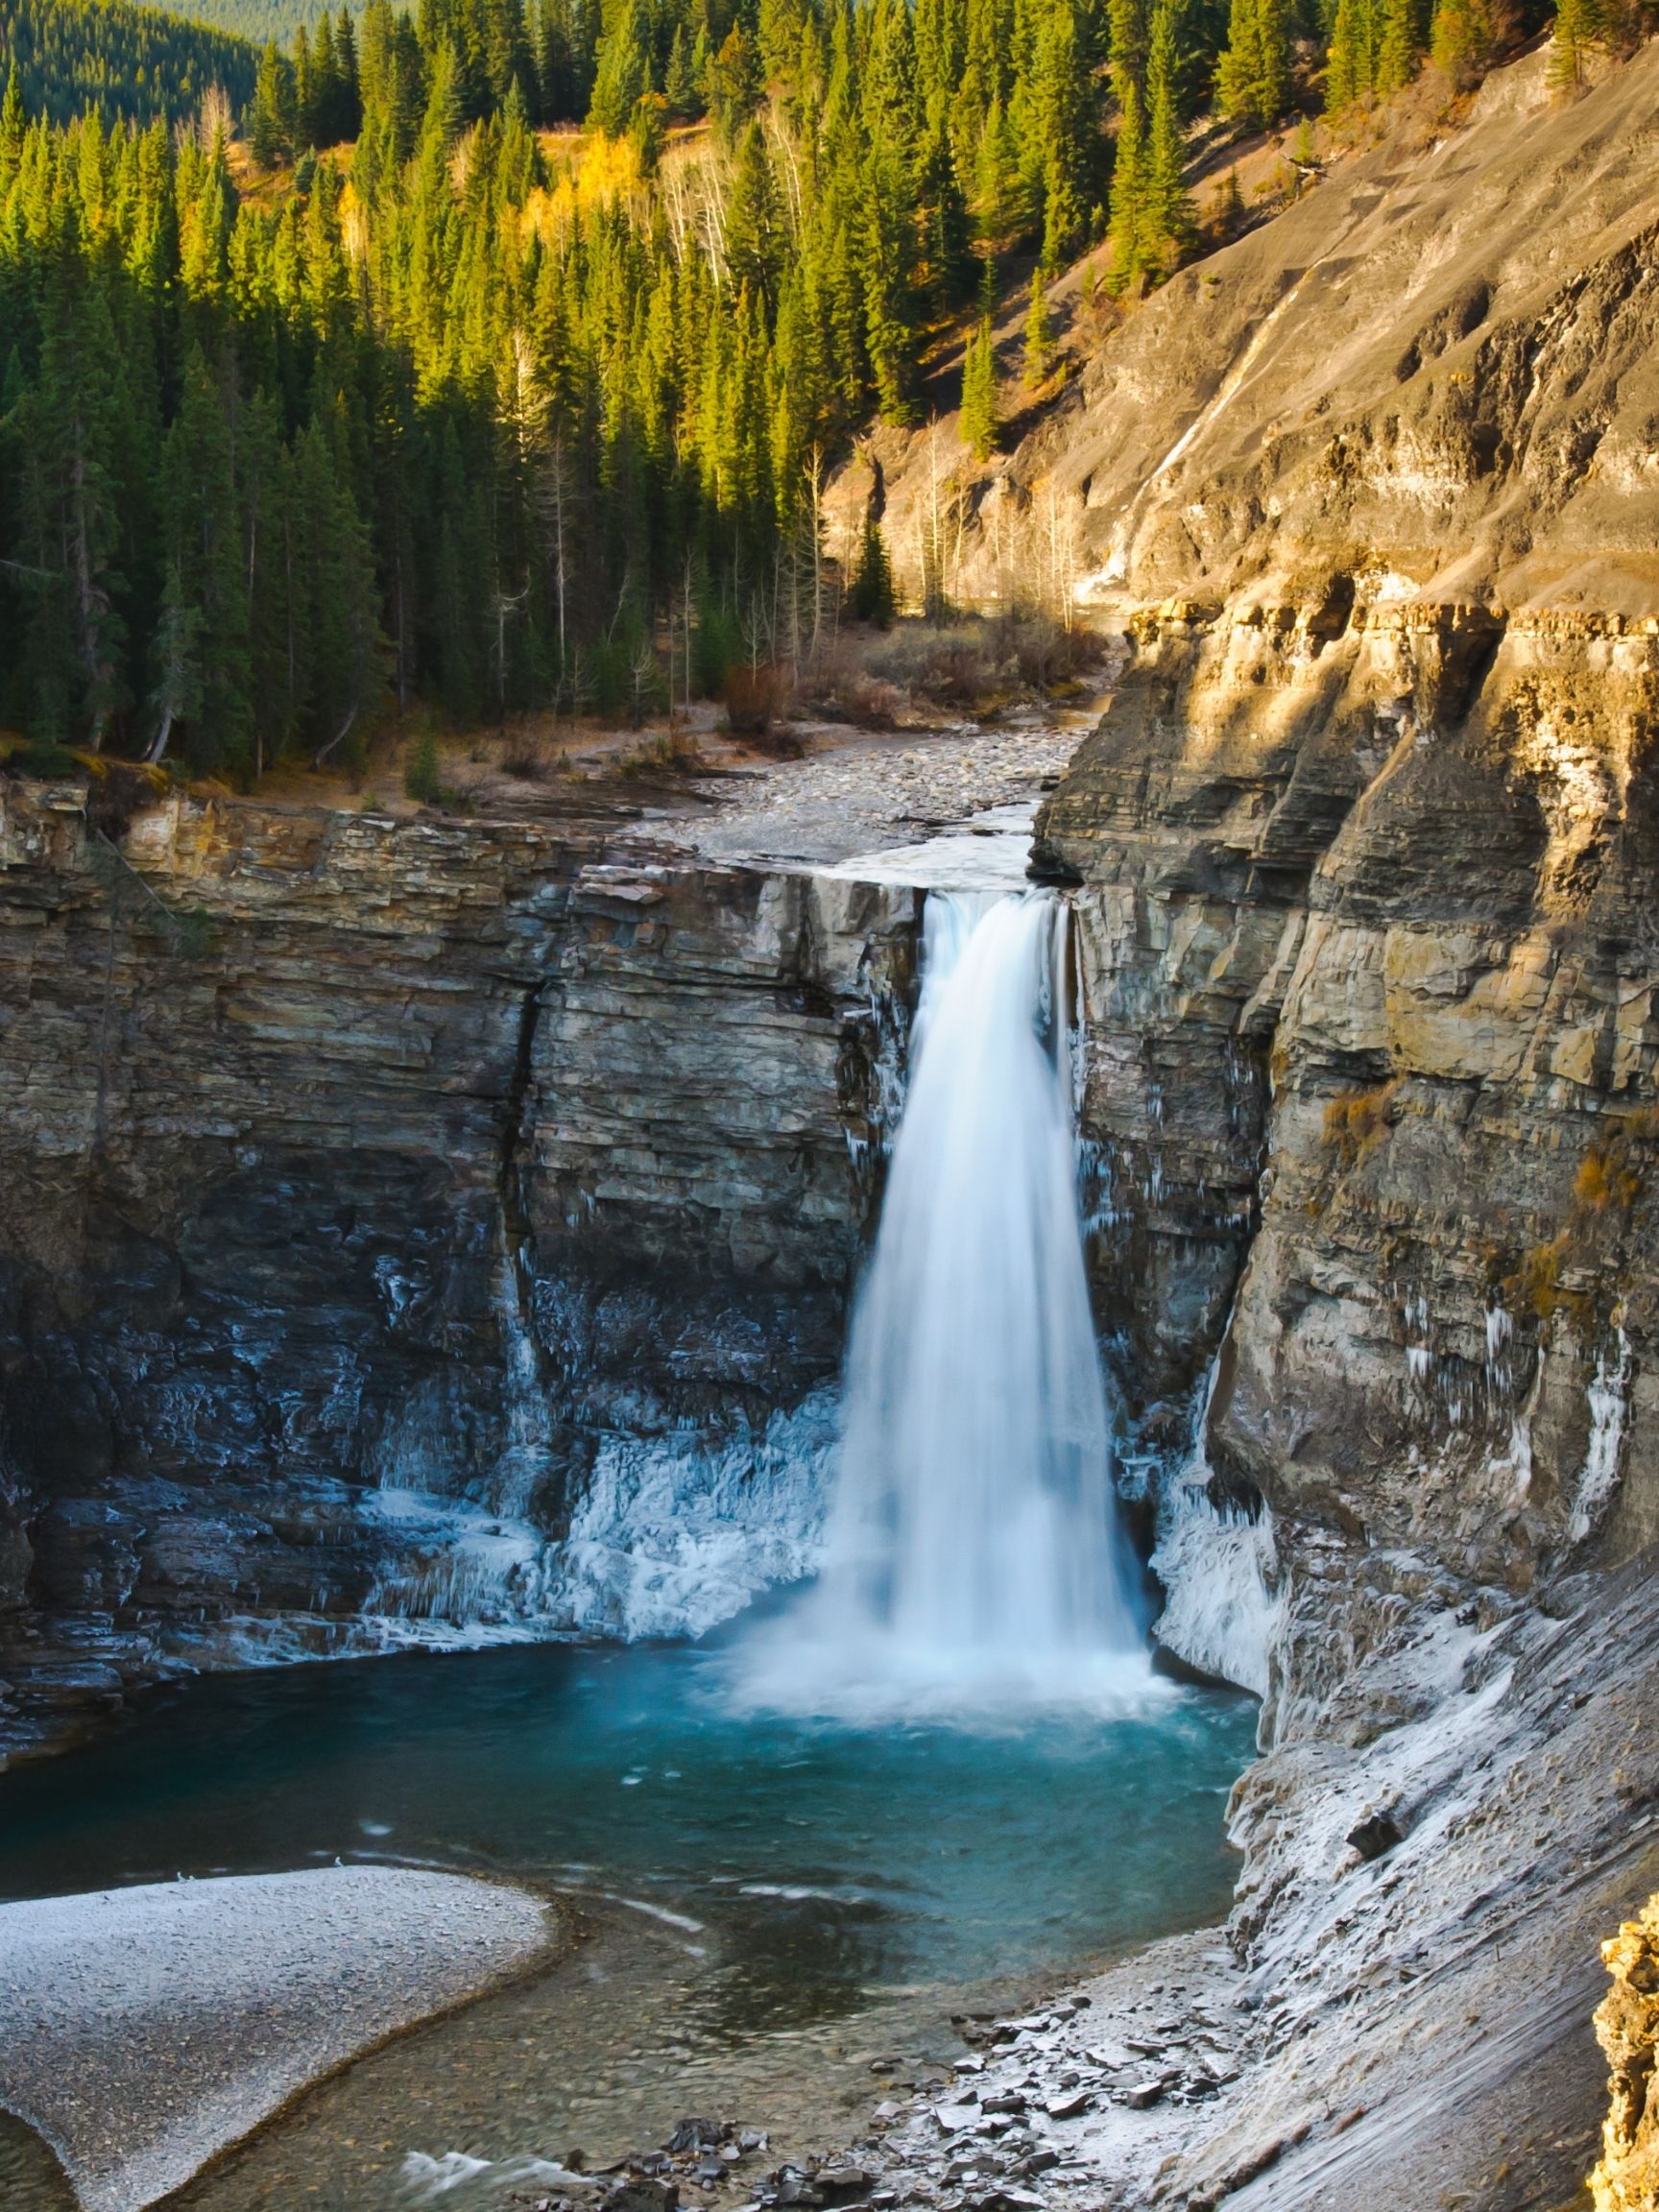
<point x="1434" y="373"/>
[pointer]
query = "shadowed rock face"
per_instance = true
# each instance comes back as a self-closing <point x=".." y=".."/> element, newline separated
<point x="331" y="1146"/>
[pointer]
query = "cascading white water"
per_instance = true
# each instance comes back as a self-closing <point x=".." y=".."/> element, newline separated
<point x="972" y="1554"/>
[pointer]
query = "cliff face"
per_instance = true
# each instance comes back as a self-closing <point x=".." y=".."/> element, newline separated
<point x="1364" y="854"/>
<point x="362" y="1179"/>
<point x="450" y="1187"/>
<point x="1394" y="949"/>
<point x="1365" y="848"/>
<point x="1628" y="2024"/>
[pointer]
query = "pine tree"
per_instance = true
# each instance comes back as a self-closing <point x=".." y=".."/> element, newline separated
<point x="734" y="85"/>
<point x="1129" y="178"/>
<point x="69" y="441"/>
<point x="680" y="82"/>
<point x="210" y="604"/>
<point x="1463" y="39"/>
<point x="1039" y="334"/>
<point x="942" y="214"/>
<point x="1579" y="26"/>
<point x="1169" y="226"/>
<point x="1253" y="76"/>
<point x="1351" y="66"/>
<point x="1400" y="44"/>
<point x="754" y="229"/>
<point x="979" y="422"/>
<point x="1061" y="119"/>
<point x="872" y="598"/>
<point x="891" y="332"/>
<point x="270" y="120"/>
<point x="623" y="68"/>
<point x="11" y="126"/>
<point x="304" y="91"/>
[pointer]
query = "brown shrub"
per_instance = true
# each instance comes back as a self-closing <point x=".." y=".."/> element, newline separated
<point x="954" y="666"/>
<point x="1358" y="1120"/>
<point x="755" y="698"/>
<point x="1613" y="1171"/>
<point x="531" y="754"/>
<point x="665" y="753"/>
<point x="1042" y="651"/>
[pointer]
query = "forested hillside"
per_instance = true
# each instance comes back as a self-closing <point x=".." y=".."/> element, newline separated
<point x="441" y="404"/>
<point x="132" y="63"/>
<point x="255" y="19"/>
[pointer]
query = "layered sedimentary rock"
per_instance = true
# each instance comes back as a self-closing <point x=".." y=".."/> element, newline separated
<point x="1363" y="854"/>
<point x="363" y="1180"/>
<point x="1627" y="2176"/>
<point x="507" y="1165"/>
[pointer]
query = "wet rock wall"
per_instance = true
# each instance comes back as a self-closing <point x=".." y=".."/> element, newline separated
<point x="345" y="1157"/>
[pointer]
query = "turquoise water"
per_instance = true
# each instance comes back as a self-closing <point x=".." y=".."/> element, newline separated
<point x="829" y="1862"/>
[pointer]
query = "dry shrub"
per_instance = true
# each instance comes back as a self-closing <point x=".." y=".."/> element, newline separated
<point x="755" y="698"/>
<point x="668" y="751"/>
<point x="976" y="662"/>
<point x="973" y="664"/>
<point x="954" y="665"/>
<point x="1614" y="1171"/>
<point x="1044" y="651"/>
<point x="843" y="689"/>
<point x="531" y="754"/>
<point x="1357" y="1121"/>
<point x="1538" y="1278"/>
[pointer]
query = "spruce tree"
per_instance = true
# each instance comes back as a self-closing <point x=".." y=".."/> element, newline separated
<point x="1351" y="65"/>
<point x="270" y="119"/>
<point x="679" y="81"/>
<point x="755" y="228"/>
<point x="872" y="598"/>
<point x="1128" y="46"/>
<point x="1169" y="226"/>
<point x="1000" y="213"/>
<point x="980" y="422"/>
<point x="1129" y="191"/>
<point x="892" y="336"/>
<point x="11" y="126"/>
<point x="1061" y="118"/>
<point x="1400" y="44"/>
<point x="623" y="73"/>
<point x="1579" y="26"/>
<point x="1462" y="38"/>
<point x="1039" y="334"/>
<point x="1253" y="76"/>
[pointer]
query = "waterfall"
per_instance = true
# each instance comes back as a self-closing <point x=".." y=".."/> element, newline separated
<point x="972" y="1554"/>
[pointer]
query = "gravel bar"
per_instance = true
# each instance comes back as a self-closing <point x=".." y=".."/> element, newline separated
<point x="142" y="2031"/>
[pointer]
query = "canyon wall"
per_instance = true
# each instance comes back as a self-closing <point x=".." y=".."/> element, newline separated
<point x="1365" y="853"/>
<point x="405" y="1220"/>
<point x="379" y="1199"/>
<point x="1365" y="849"/>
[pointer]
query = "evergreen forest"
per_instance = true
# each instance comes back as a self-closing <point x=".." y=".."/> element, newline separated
<point x="498" y="357"/>
<point x="131" y="63"/>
